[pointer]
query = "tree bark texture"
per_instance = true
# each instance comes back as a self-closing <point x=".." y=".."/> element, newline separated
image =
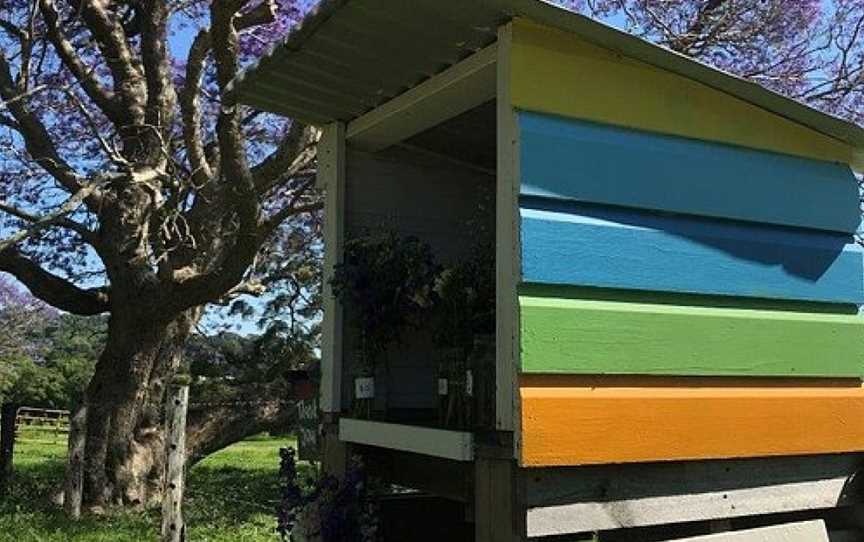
<point x="123" y="459"/>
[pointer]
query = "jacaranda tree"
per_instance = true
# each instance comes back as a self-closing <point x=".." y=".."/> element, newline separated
<point x="132" y="185"/>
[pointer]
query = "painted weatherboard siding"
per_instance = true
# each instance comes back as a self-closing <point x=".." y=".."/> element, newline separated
<point x="578" y="336"/>
<point x="583" y="161"/>
<point x="555" y="72"/>
<point x="587" y="245"/>
<point x="570" y="421"/>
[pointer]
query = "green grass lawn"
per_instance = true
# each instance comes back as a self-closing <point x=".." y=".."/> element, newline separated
<point x="230" y="498"/>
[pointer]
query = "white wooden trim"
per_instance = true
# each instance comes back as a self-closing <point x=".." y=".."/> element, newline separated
<point x="507" y="255"/>
<point x="457" y="445"/>
<point x="331" y="177"/>
<point x="454" y="91"/>
<point x="807" y="531"/>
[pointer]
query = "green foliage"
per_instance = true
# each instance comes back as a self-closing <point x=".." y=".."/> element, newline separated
<point x="54" y="366"/>
<point x="466" y="299"/>
<point x="230" y="498"/>
<point x="388" y="280"/>
<point x="225" y="366"/>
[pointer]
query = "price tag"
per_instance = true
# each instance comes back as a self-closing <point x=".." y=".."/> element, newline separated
<point x="469" y="383"/>
<point x="443" y="386"/>
<point x="364" y="388"/>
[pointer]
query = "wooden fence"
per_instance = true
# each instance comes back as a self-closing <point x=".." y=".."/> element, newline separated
<point x="41" y="424"/>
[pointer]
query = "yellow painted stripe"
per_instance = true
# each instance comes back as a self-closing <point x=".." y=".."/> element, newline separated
<point x="555" y="72"/>
<point x="569" y="420"/>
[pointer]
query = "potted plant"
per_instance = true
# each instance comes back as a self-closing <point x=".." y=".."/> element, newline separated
<point x="464" y="329"/>
<point x="386" y="281"/>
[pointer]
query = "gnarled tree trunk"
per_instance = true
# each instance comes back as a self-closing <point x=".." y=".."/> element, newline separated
<point x="123" y="454"/>
<point x="124" y="444"/>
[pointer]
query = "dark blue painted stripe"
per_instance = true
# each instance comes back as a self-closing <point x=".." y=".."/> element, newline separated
<point x="589" y="245"/>
<point x="581" y="161"/>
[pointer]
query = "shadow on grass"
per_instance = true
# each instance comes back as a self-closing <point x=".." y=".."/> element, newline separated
<point x="231" y="497"/>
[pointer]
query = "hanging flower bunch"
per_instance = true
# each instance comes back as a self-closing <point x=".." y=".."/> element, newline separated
<point x="331" y="511"/>
<point x="387" y="279"/>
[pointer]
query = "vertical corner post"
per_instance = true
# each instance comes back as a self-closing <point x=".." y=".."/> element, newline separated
<point x="507" y="255"/>
<point x="331" y="178"/>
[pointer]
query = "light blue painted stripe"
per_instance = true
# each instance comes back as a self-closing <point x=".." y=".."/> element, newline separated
<point x="582" y="161"/>
<point x="588" y="245"/>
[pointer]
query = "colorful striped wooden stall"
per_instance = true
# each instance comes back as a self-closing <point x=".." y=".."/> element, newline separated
<point x="678" y="284"/>
<point x="670" y="230"/>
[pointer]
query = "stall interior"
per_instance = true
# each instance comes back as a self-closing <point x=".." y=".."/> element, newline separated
<point x="417" y="277"/>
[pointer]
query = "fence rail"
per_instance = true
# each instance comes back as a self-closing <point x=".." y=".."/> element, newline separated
<point x="41" y="421"/>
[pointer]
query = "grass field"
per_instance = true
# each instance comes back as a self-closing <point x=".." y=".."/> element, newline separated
<point x="230" y="498"/>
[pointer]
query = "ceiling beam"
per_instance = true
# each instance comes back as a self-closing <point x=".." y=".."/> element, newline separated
<point x="454" y="91"/>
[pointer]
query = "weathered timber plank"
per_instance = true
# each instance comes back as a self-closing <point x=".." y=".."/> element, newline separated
<point x="806" y="531"/>
<point x="582" y="161"/>
<point x="73" y="486"/>
<point x="561" y="335"/>
<point x="596" y="498"/>
<point x="607" y="247"/>
<point x="556" y="72"/>
<point x="173" y="524"/>
<point x="571" y="420"/>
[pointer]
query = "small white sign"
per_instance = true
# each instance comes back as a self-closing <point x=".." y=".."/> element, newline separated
<point x="364" y="388"/>
<point x="443" y="386"/>
<point x="469" y="383"/>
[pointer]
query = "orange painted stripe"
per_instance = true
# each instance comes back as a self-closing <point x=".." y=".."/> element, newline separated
<point x="583" y="420"/>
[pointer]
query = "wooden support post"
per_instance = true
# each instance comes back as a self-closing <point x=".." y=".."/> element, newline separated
<point x="73" y="491"/>
<point x="508" y="253"/>
<point x="334" y="452"/>
<point x="173" y="528"/>
<point x="331" y="177"/>
<point x="7" y="445"/>
<point x="498" y="512"/>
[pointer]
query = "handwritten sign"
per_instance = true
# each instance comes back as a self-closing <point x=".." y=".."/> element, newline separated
<point x="309" y="428"/>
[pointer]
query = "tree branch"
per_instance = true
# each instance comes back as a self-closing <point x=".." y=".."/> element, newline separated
<point x="295" y="152"/>
<point x="192" y="288"/>
<point x="111" y="39"/>
<point x="55" y="218"/>
<point x="36" y="138"/>
<point x="263" y="13"/>
<point x="161" y="96"/>
<point x="103" y="98"/>
<point x="191" y="112"/>
<point x="52" y="289"/>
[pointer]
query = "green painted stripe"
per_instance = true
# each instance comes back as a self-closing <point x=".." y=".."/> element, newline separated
<point x="685" y="299"/>
<point x="589" y="336"/>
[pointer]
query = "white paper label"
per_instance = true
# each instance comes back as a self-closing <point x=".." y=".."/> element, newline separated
<point x="443" y="386"/>
<point x="364" y="388"/>
<point x="469" y="383"/>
